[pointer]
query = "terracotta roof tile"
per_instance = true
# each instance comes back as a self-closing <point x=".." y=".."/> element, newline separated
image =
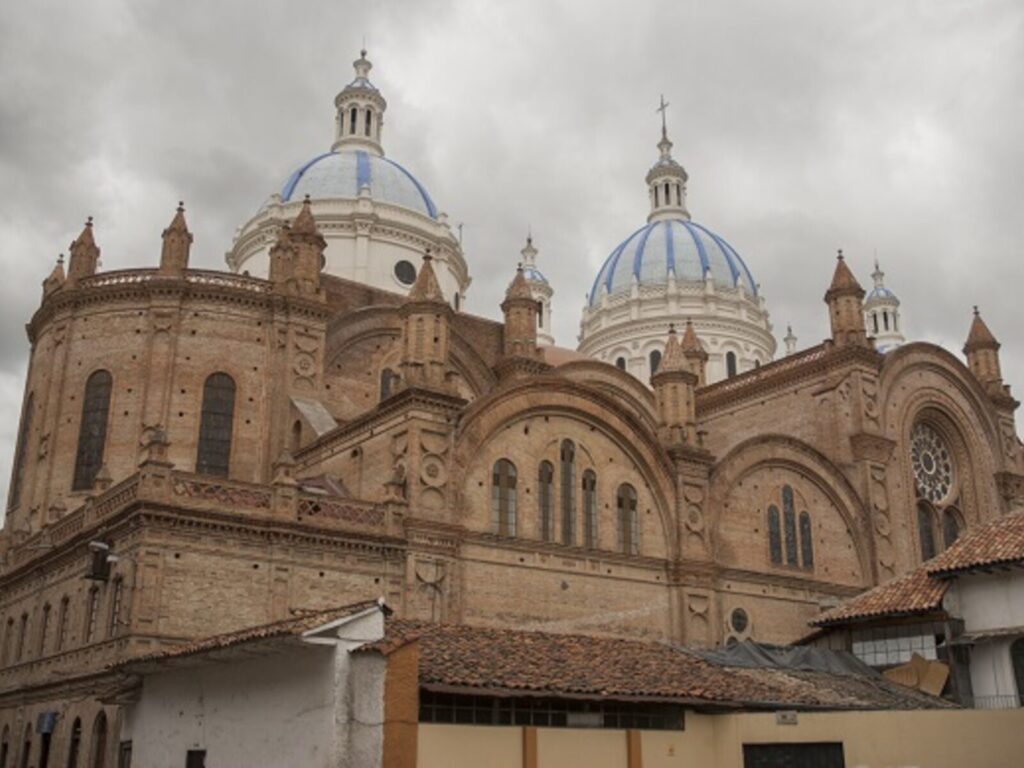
<point x="998" y="542"/>
<point x="913" y="593"/>
<point x="482" y="659"/>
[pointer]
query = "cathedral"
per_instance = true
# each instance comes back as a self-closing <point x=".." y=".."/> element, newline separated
<point x="201" y="451"/>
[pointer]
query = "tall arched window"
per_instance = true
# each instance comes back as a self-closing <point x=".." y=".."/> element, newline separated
<point x="5" y="746"/>
<point x="1017" y="661"/>
<point x="668" y="194"/>
<point x="789" y="524"/>
<point x="388" y="378"/>
<point x="679" y="194"/>
<point x="885" y="319"/>
<point x="91" y="610"/>
<point x="806" y="542"/>
<point x="951" y="526"/>
<point x="545" y="491"/>
<point x="99" y="742"/>
<point x="75" y="743"/>
<point x="92" y="432"/>
<point x="20" y="450"/>
<point x="774" y="535"/>
<point x="62" y="623"/>
<point x="26" y="746"/>
<point x="629" y="528"/>
<point x="730" y="364"/>
<point x="874" y="321"/>
<point x="620" y="363"/>
<point x="8" y="641"/>
<point x="503" y="498"/>
<point x="116" y="602"/>
<point x="540" y="314"/>
<point x="590" y="509"/>
<point x="655" y="360"/>
<point x="369" y="123"/>
<point x="22" y="632"/>
<point x="657" y="198"/>
<point x="926" y="529"/>
<point x="44" y="629"/>
<point x="567" y="463"/>
<point x="352" y="120"/>
<point x="215" y="425"/>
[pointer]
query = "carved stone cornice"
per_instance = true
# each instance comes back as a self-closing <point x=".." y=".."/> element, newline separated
<point x="869" y="447"/>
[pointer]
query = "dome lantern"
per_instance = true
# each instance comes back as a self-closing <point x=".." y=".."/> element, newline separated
<point x="360" y="112"/>
<point x="882" y="313"/>
<point x="666" y="181"/>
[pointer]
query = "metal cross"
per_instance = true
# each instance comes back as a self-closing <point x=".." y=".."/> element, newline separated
<point x="662" y="108"/>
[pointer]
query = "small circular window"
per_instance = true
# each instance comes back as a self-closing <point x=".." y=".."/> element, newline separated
<point x="405" y="272"/>
<point x="738" y="619"/>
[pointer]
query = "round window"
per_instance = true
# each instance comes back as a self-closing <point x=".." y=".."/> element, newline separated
<point x="405" y="272"/>
<point x="932" y="463"/>
<point x="738" y="619"/>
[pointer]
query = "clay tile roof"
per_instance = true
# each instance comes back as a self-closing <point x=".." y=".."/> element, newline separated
<point x="979" y="336"/>
<point x="288" y="627"/>
<point x="1000" y="542"/>
<point x="481" y="660"/>
<point x="426" y="288"/>
<point x="914" y="593"/>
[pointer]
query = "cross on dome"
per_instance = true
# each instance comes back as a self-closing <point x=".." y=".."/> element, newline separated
<point x="667" y="179"/>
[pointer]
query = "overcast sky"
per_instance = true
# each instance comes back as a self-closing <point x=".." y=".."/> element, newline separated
<point x="888" y="128"/>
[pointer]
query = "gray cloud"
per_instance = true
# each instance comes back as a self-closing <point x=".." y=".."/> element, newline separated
<point x="889" y="129"/>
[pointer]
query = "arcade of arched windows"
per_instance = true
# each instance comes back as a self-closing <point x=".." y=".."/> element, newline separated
<point x="790" y="531"/>
<point x="567" y="503"/>
<point x="79" y="738"/>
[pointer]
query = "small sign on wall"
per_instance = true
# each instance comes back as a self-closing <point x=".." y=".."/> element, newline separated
<point x="786" y="717"/>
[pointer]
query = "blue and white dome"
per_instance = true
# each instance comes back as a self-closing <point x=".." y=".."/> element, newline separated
<point x="686" y="248"/>
<point x="342" y="173"/>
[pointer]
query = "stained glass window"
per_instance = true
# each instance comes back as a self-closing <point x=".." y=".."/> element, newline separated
<point x="216" y="424"/>
<point x="567" y="457"/>
<point x="92" y="433"/>
<point x="590" y="509"/>
<point x="789" y="524"/>
<point x="932" y="462"/>
<point x="503" y="498"/>
<point x="774" y="535"/>
<point x="806" y="542"/>
<point x="545" y="481"/>
<point x="629" y="532"/>
<point x="926" y="530"/>
<point x="951" y="527"/>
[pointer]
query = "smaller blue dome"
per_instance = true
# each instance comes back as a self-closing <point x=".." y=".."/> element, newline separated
<point x="687" y="249"/>
<point x="880" y="293"/>
<point x="532" y="273"/>
<point x="344" y="172"/>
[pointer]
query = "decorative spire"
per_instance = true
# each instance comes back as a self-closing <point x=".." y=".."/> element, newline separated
<point x="666" y="181"/>
<point x="843" y="279"/>
<point x="664" y="146"/>
<point x="878" y="276"/>
<point x="426" y="287"/>
<point x="55" y="279"/>
<point x="177" y="244"/>
<point x="308" y="247"/>
<point x="673" y="360"/>
<point x="529" y="253"/>
<point x="85" y="255"/>
<point x="846" y="309"/>
<point x="979" y="337"/>
<point x="518" y="288"/>
<point x="790" y="340"/>
<point x="360" y="111"/>
<point x="695" y="352"/>
<point x="304" y="223"/>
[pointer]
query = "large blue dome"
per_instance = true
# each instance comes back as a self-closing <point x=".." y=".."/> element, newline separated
<point x="344" y="172"/>
<point x="691" y="251"/>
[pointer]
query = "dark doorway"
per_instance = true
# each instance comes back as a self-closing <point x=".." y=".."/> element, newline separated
<point x="821" y="755"/>
<point x="195" y="758"/>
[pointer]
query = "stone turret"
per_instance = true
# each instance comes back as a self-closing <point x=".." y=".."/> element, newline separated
<point x="520" y="309"/>
<point x="540" y="290"/>
<point x="177" y="243"/>
<point x="85" y="255"/>
<point x="307" y="252"/>
<point x="425" y="332"/>
<point x="982" y="352"/>
<point x="674" y="386"/>
<point x="845" y="305"/>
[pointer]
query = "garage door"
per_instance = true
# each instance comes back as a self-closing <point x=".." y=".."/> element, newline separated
<point x="823" y="755"/>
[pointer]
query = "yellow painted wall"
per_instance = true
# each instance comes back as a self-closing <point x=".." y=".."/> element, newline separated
<point x="918" y="739"/>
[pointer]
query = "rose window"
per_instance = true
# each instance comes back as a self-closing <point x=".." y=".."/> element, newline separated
<point x="932" y="463"/>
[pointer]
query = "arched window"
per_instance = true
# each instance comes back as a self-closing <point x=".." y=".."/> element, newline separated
<point x="215" y="425"/>
<point x="655" y="361"/>
<point x="620" y="363"/>
<point x="730" y="364"/>
<point x="5" y="746"/>
<point x="567" y="463"/>
<point x="92" y="432"/>
<point x="8" y="641"/>
<point x="657" y="199"/>
<point x="774" y="535"/>
<point x="679" y="194"/>
<point x="589" y="509"/>
<point x="1017" y="661"/>
<point x="926" y="530"/>
<point x="91" y="610"/>
<point x="296" y="435"/>
<point x="806" y="542"/>
<point x="668" y="195"/>
<point x="540" y="314"/>
<point x="885" y="318"/>
<point x="116" y="601"/>
<point x="503" y="498"/>
<point x="388" y="378"/>
<point x="456" y="300"/>
<point x="629" y="528"/>
<point x="352" y="120"/>
<point x="789" y="524"/>
<point x="62" y="623"/>
<point x="26" y="747"/>
<point x="545" y="490"/>
<point x="74" y="743"/>
<point x="44" y="629"/>
<point x="22" y="632"/>
<point x="99" y="742"/>
<point x="874" y="321"/>
<point x="369" y="123"/>
<point x="20" y="450"/>
<point x="951" y="527"/>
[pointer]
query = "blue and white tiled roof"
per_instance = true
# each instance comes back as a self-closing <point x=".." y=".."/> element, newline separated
<point x="532" y="273"/>
<point x="690" y="250"/>
<point x="344" y="172"/>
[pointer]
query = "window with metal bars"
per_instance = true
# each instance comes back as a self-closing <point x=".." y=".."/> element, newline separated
<point x="92" y="432"/>
<point x="503" y="498"/>
<point x="215" y="427"/>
